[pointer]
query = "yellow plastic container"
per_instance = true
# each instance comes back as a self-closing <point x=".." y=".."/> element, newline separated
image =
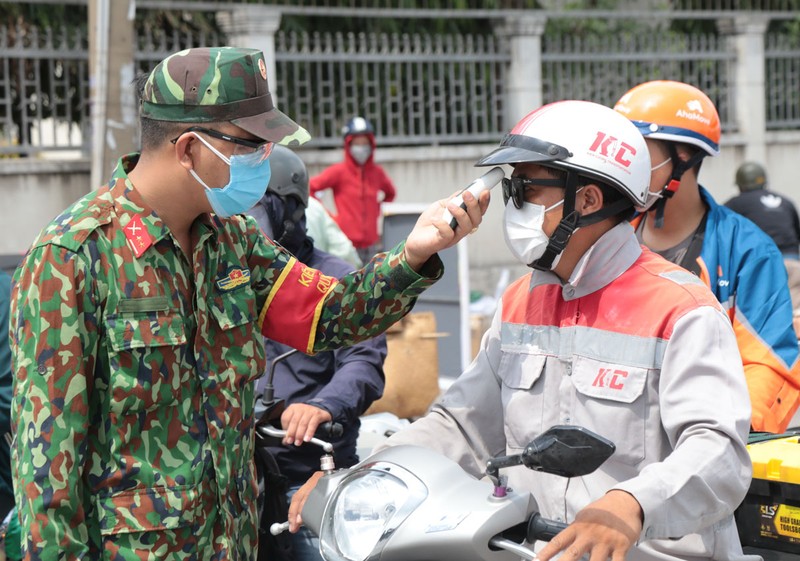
<point x="769" y="516"/>
<point x="777" y="460"/>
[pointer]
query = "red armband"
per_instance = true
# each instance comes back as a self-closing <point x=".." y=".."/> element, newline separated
<point x="293" y="307"/>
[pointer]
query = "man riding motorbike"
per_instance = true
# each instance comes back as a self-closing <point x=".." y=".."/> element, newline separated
<point x="606" y="335"/>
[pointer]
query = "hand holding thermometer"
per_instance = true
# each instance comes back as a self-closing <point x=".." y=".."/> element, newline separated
<point x="484" y="183"/>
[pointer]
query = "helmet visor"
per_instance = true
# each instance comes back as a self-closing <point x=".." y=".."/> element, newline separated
<point x="517" y="149"/>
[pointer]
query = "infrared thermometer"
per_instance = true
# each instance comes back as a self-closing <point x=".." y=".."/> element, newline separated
<point x="484" y="183"/>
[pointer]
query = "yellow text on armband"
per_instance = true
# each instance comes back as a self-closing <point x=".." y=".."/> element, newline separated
<point x="307" y="279"/>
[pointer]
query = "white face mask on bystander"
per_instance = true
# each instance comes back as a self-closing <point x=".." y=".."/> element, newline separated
<point x="361" y="153"/>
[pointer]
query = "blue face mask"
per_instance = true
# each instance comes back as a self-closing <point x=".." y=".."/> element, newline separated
<point x="248" y="182"/>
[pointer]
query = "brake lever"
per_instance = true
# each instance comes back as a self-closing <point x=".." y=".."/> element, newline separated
<point x="269" y="430"/>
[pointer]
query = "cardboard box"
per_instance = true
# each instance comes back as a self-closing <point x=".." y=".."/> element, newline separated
<point x="411" y="367"/>
<point x="769" y="516"/>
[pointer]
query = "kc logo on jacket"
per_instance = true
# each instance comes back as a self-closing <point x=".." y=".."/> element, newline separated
<point x="604" y="380"/>
<point x="608" y="378"/>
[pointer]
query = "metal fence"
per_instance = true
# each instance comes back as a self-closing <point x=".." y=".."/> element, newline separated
<point x="44" y="90"/>
<point x="417" y="89"/>
<point x="602" y="68"/>
<point x="782" y="69"/>
<point x="784" y="9"/>
<point x="153" y="45"/>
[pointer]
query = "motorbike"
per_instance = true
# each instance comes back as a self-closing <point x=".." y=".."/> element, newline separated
<point x="408" y="503"/>
<point x="391" y="506"/>
<point x="271" y="505"/>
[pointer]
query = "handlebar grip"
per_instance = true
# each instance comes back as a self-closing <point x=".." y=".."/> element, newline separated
<point x="540" y="528"/>
<point x="329" y="430"/>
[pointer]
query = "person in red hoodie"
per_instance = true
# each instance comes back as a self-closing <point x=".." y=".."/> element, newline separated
<point x="357" y="182"/>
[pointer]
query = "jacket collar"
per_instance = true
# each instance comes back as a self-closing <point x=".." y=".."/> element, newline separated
<point x="606" y="260"/>
<point x="129" y="203"/>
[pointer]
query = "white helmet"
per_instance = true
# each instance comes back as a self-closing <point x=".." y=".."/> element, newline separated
<point x="593" y="140"/>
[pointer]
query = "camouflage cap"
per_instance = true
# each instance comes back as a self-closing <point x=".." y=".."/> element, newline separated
<point x="218" y="84"/>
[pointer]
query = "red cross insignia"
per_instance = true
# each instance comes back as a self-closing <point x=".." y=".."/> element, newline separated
<point x="138" y="237"/>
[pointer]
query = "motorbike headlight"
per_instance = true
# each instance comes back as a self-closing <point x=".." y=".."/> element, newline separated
<point x="366" y="508"/>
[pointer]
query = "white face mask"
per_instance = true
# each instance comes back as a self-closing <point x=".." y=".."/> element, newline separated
<point x="360" y="153"/>
<point x="657" y="194"/>
<point x="523" y="231"/>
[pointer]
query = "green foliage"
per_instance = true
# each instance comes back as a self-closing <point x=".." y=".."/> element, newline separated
<point x="180" y="21"/>
<point x="42" y="15"/>
<point x="788" y="27"/>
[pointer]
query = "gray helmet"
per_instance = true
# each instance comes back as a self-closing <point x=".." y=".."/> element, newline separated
<point x="289" y="174"/>
<point x="357" y="125"/>
<point x="751" y="176"/>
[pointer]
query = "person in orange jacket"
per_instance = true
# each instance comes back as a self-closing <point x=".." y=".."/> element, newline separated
<point x="359" y="186"/>
<point x="739" y="262"/>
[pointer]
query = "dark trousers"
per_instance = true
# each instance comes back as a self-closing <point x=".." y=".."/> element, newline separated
<point x="6" y="504"/>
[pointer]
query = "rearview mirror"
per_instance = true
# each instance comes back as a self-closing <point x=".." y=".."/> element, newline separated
<point x="568" y="451"/>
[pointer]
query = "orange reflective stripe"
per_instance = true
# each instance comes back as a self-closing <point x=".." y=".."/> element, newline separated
<point x="621" y="307"/>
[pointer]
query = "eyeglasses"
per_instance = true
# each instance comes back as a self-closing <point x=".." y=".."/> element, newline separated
<point x="514" y="188"/>
<point x="243" y="146"/>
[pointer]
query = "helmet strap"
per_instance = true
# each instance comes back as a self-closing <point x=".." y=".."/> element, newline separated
<point x="606" y="212"/>
<point x="560" y="238"/>
<point x="679" y="167"/>
<point x="558" y="242"/>
<point x="290" y="224"/>
<point x="571" y="221"/>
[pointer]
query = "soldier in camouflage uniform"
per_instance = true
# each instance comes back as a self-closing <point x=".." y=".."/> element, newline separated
<point x="137" y="318"/>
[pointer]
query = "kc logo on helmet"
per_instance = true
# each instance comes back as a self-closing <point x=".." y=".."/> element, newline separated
<point x="611" y="147"/>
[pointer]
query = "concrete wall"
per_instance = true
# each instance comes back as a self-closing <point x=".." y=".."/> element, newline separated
<point x="34" y="191"/>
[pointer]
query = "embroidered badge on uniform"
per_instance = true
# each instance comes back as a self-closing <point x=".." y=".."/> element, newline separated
<point x="137" y="235"/>
<point x="235" y="278"/>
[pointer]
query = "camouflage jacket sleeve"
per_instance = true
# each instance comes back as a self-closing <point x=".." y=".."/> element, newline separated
<point x="6" y="381"/>
<point x="313" y="312"/>
<point x="53" y="342"/>
<point x="367" y="302"/>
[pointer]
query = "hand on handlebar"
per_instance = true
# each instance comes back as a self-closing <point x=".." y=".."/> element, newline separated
<point x="604" y="529"/>
<point x="299" y="499"/>
<point x="300" y="421"/>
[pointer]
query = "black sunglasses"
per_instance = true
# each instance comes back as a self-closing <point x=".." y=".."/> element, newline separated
<point x="514" y="188"/>
<point x="222" y="136"/>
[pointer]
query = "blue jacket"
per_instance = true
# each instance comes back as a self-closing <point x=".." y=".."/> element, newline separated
<point x="745" y="270"/>
<point x="344" y="382"/>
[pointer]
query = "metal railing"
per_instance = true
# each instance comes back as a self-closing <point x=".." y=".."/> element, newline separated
<point x="602" y="68"/>
<point x="153" y="45"/>
<point x="416" y="88"/>
<point x="44" y="90"/>
<point x="782" y="69"/>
